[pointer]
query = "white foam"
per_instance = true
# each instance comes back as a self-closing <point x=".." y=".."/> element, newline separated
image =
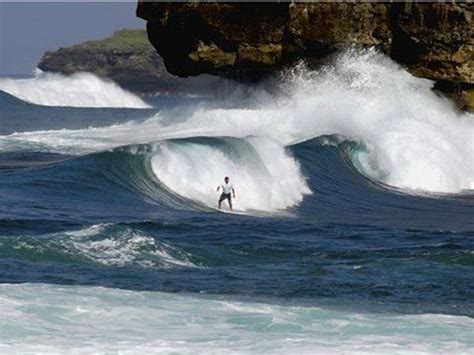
<point x="415" y="139"/>
<point x="77" y="90"/>
<point x="40" y="318"/>
<point x="110" y="245"/>
<point x="264" y="176"/>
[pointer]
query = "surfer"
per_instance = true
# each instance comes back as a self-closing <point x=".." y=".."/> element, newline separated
<point x="227" y="188"/>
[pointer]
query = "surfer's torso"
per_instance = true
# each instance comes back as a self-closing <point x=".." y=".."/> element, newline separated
<point x="227" y="188"/>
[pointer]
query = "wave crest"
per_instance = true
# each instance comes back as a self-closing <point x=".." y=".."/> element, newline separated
<point x="76" y="90"/>
<point x="264" y="175"/>
<point x="104" y="244"/>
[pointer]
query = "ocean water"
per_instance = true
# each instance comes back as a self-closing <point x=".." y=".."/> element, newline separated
<point x="353" y="229"/>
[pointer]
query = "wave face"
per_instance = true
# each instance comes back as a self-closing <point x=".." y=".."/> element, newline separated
<point x="77" y="90"/>
<point x="266" y="177"/>
<point x="412" y="139"/>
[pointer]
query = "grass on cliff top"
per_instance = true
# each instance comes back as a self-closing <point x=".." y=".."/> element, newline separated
<point x="120" y="39"/>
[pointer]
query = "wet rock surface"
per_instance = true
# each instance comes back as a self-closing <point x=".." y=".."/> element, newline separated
<point x="249" y="40"/>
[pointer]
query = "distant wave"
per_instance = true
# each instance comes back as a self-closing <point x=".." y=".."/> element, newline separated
<point x="77" y="90"/>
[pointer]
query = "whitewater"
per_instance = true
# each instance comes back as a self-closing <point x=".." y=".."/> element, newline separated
<point x="236" y="327"/>
<point x="352" y="233"/>
<point x="77" y="90"/>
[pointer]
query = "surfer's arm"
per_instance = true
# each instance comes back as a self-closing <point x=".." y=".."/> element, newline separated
<point x="218" y="187"/>
<point x="233" y="192"/>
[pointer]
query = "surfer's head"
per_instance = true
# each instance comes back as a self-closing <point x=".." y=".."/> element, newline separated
<point x="226" y="179"/>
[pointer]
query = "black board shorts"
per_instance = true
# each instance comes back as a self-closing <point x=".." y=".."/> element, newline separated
<point x="224" y="197"/>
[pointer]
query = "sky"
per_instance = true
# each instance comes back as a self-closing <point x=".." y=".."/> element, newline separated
<point x="27" y="30"/>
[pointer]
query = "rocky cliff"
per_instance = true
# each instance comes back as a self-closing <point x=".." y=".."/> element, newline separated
<point x="127" y="58"/>
<point x="433" y="40"/>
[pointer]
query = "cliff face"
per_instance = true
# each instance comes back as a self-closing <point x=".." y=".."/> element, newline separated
<point x="433" y="40"/>
<point x="127" y="58"/>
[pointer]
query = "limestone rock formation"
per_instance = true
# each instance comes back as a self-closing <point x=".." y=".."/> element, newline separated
<point x="127" y="58"/>
<point x="247" y="40"/>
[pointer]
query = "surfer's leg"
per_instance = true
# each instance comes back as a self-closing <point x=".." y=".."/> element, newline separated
<point x="221" y="198"/>
<point x="230" y="202"/>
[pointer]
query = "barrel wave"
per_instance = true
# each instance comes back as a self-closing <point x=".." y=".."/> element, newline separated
<point x="353" y="216"/>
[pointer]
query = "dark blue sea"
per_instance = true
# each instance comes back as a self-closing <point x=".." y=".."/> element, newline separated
<point x="353" y="228"/>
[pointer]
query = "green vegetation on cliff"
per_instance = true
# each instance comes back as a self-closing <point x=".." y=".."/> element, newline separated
<point x="122" y="39"/>
<point x="127" y="57"/>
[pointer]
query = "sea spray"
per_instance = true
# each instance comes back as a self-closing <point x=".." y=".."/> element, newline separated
<point x="413" y="138"/>
<point x="416" y="139"/>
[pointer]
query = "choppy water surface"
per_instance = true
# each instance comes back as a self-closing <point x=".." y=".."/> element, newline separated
<point x="353" y="229"/>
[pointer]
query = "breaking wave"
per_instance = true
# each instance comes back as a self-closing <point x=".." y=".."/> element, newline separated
<point x="407" y="136"/>
<point x="105" y="244"/>
<point x="77" y="90"/>
<point x="266" y="177"/>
